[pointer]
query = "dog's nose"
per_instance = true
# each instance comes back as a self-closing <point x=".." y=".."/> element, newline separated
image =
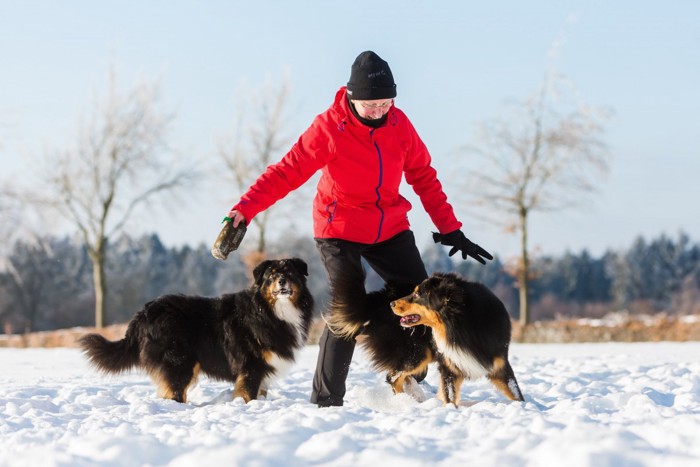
<point x="282" y="281"/>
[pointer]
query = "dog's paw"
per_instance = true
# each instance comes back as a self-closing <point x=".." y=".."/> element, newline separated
<point x="414" y="389"/>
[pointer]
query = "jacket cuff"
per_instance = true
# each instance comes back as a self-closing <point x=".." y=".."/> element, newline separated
<point x="449" y="228"/>
<point x="245" y="209"/>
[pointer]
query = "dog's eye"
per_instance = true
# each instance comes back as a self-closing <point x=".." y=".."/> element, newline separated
<point x="416" y="295"/>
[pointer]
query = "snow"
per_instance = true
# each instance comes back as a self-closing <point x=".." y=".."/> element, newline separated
<point x="585" y="405"/>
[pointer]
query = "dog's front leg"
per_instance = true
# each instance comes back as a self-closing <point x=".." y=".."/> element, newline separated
<point x="450" y="382"/>
<point x="457" y="389"/>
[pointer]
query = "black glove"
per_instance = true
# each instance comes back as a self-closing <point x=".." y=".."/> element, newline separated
<point x="459" y="242"/>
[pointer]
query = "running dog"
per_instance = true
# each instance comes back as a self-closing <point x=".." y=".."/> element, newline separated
<point x="247" y="338"/>
<point x="471" y="332"/>
<point x="403" y="354"/>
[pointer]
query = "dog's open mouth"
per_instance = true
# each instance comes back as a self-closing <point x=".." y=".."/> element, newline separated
<point x="282" y="292"/>
<point x="409" y="320"/>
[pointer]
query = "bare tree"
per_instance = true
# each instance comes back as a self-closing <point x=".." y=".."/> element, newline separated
<point x="23" y="289"/>
<point x="6" y="210"/>
<point x="7" y="198"/>
<point x="258" y="139"/>
<point x="10" y="210"/>
<point x="119" y="162"/>
<point x="544" y="154"/>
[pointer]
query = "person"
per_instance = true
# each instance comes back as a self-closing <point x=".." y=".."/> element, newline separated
<point x="363" y="145"/>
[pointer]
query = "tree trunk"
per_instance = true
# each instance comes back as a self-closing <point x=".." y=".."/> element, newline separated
<point x="261" y="240"/>
<point x="99" y="282"/>
<point x="261" y="223"/>
<point x="524" y="271"/>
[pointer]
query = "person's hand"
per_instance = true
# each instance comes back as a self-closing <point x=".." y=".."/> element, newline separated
<point x="459" y="242"/>
<point x="236" y="217"/>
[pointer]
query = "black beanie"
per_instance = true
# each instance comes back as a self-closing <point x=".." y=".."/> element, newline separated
<point x="370" y="78"/>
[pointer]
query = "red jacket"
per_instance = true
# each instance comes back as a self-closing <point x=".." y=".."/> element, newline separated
<point x="357" y="197"/>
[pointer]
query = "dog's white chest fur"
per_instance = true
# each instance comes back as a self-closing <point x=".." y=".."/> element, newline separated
<point x="285" y="310"/>
<point x="463" y="360"/>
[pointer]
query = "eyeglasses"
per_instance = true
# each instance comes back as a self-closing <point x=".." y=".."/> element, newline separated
<point x="372" y="105"/>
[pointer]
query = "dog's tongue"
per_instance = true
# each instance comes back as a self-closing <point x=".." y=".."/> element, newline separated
<point x="409" y="319"/>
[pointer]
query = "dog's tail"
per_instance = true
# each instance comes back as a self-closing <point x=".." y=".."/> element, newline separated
<point x="113" y="356"/>
<point x="348" y="311"/>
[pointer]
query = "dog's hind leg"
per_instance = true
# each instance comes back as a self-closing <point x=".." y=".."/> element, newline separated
<point x="410" y="377"/>
<point x="163" y="388"/>
<point x="396" y="380"/>
<point x="248" y="384"/>
<point x="173" y="381"/>
<point x="193" y="380"/>
<point x="503" y="378"/>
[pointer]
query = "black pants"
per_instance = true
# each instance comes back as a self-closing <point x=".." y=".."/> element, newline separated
<point x="395" y="259"/>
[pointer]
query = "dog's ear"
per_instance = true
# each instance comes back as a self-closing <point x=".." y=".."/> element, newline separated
<point x="436" y="299"/>
<point x="436" y="291"/>
<point x="300" y="265"/>
<point x="449" y="292"/>
<point x="397" y="289"/>
<point x="259" y="271"/>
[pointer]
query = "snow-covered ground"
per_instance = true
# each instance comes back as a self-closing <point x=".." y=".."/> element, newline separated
<point x="586" y="405"/>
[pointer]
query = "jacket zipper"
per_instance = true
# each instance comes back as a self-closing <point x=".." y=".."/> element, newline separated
<point x="330" y="210"/>
<point x="379" y="184"/>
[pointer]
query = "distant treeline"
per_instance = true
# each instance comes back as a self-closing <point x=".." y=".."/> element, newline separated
<point x="46" y="283"/>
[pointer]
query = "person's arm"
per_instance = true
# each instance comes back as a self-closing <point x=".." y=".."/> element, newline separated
<point x="308" y="155"/>
<point x="423" y="178"/>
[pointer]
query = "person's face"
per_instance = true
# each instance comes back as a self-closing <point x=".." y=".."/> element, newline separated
<point x="373" y="110"/>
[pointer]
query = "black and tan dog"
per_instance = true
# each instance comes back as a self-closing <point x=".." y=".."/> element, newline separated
<point x="471" y="330"/>
<point x="247" y="338"/>
<point x="403" y="354"/>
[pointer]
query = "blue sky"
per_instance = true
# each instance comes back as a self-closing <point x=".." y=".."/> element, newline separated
<point x="455" y="64"/>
